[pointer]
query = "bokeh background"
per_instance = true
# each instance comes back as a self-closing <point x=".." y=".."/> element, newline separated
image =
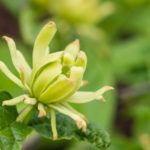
<point x="115" y="34"/>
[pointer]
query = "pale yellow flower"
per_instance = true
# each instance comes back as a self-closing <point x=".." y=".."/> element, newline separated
<point x="53" y="81"/>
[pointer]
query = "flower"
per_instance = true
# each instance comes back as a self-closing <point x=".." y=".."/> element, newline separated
<point x="80" y="11"/>
<point x="53" y="81"/>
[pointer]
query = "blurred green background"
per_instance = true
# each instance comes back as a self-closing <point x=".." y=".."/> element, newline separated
<point x="115" y="34"/>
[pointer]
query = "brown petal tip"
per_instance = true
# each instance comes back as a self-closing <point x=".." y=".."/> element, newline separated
<point x="54" y="138"/>
<point x="41" y="113"/>
<point x="72" y="81"/>
<point x="107" y="88"/>
<point x="3" y="104"/>
<point x="84" y="82"/>
<point x="6" y="38"/>
<point x="85" y="119"/>
<point x="51" y="23"/>
<point x="103" y="99"/>
<point x="62" y="54"/>
<point x="76" y="42"/>
<point x="84" y="128"/>
<point x="79" y="124"/>
<point x="21" y="68"/>
<point x="82" y="55"/>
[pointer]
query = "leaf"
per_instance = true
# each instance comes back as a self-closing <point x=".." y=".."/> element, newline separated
<point x="67" y="129"/>
<point x="12" y="134"/>
<point x="12" y="137"/>
<point x="7" y="114"/>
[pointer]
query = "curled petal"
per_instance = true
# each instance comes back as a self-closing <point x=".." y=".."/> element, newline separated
<point x="104" y="89"/>
<point x="79" y="121"/>
<point x="42" y="41"/>
<point x="26" y="114"/>
<point x="77" y="75"/>
<point x="46" y="77"/>
<point x="84" y="82"/>
<point x="22" y="75"/>
<point x="47" y="51"/>
<point x="81" y="60"/>
<point x="53" y="124"/>
<point x="73" y="48"/>
<point x="27" y="69"/>
<point x="64" y="111"/>
<point x="68" y="59"/>
<point x="84" y="97"/>
<point x="74" y="111"/>
<point x="13" y="52"/>
<point x="18" y="59"/>
<point x="57" y="90"/>
<point x="23" y="80"/>
<point x="31" y="101"/>
<point x="51" y="58"/>
<point x="12" y="77"/>
<point x="14" y="101"/>
<point x="41" y="109"/>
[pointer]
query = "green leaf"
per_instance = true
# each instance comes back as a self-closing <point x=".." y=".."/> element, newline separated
<point x="12" y="134"/>
<point x="67" y="129"/>
<point x="7" y="114"/>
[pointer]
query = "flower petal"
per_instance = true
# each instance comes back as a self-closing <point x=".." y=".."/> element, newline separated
<point x="53" y="124"/>
<point x="13" y="52"/>
<point x="62" y="109"/>
<point x="45" y="61"/>
<point x="18" y="59"/>
<point x="43" y="39"/>
<point x="81" y="60"/>
<point x="25" y="65"/>
<point x="83" y="83"/>
<point x="74" y="111"/>
<point x="42" y="111"/>
<point x="68" y="59"/>
<point x="47" y="51"/>
<point x="45" y="77"/>
<point x="26" y="114"/>
<point x="12" y="77"/>
<point x="84" y="97"/>
<point x="73" y="48"/>
<point x="29" y="100"/>
<point x="14" y="101"/>
<point x="76" y="75"/>
<point x="57" y="90"/>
